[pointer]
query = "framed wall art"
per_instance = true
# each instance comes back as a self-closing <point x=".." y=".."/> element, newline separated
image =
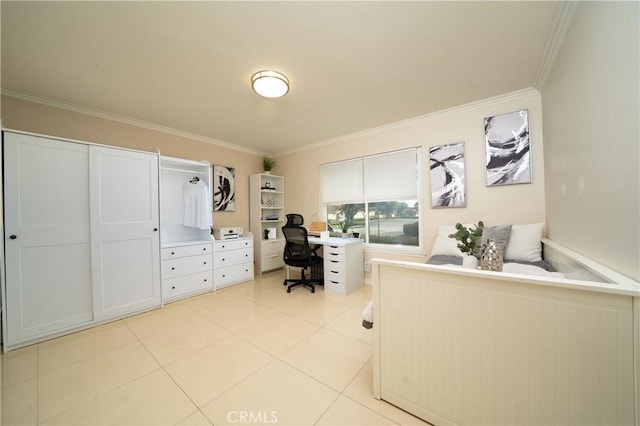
<point x="507" y="148"/>
<point x="447" y="175"/>
<point x="224" y="189"/>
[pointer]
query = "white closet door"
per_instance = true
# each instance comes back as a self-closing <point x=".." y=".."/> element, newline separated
<point x="124" y="231"/>
<point x="47" y="236"/>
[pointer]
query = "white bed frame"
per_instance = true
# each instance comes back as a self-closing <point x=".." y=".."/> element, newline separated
<point x="460" y="346"/>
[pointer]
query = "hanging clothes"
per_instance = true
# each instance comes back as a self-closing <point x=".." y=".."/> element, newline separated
<point x="197" y="204"/>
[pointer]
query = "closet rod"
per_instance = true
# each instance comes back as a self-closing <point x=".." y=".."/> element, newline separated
<point x="184" y="171"/>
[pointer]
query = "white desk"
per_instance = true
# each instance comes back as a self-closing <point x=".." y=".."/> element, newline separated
<point x="343" y="263"/>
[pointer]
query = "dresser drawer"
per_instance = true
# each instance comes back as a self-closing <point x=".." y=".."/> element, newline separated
<point x="186" y="265"/>
<point x="232" y="275"/>
<point x="333" y="250"/>
<point x="173" y="287"/>
<point x="183" y="251"/>
<point x="332" y="256"/>
<point x="273" y="261"/>
<point x="272" y="247"/>
<point x="233" y="244"/>
<point x="233" y="257"/>
<point x="334" y="266"/>
<point x="334" y="286"/>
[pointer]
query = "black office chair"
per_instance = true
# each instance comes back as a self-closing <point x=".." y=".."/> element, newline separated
<point x="294" y="219"/>
<point x="298" y="253"/>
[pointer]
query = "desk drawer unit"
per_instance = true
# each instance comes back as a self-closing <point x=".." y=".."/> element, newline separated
<point x="342" y="267"/>
<point x="186" y="269"/>
<point x="233" y="262"/>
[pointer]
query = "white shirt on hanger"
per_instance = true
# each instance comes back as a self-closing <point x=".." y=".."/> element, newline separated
<point x="197" y="205"/>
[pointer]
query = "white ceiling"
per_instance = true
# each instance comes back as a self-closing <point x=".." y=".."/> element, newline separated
<point x="352" y="65"/>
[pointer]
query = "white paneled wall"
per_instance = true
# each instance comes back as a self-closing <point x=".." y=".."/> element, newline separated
<point x="473" y="350"/>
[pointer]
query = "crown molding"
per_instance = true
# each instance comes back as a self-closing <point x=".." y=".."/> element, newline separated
<point x="512" y="96"/>
<point x="127" y="120"/>
<point x="562" y="19"/>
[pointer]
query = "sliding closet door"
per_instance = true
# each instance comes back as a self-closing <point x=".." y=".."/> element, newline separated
<point x="124" y="231"/>
<point x="47" y="236"/>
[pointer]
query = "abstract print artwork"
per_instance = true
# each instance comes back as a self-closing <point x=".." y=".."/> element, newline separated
<point x="224" y="190"/>
<point x="507" y="148"/>
<point x="447" y="175"/>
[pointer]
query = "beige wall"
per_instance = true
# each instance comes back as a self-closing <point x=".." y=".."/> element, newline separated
<point x="494" y="205"/>
<point x="38" y="118"/>
<point x="591" y="129"/>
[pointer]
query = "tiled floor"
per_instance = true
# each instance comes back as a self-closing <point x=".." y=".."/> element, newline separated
<point x="248" y="354"/>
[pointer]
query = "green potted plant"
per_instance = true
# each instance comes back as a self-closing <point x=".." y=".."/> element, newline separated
<point x="468" y="242"/>
<point x="268" y="164"/>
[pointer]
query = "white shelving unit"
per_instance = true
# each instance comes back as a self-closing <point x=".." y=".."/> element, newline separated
<point x="266" y="199"/>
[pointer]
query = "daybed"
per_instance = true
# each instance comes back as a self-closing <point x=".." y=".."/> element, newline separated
<point x="465" y="346"/>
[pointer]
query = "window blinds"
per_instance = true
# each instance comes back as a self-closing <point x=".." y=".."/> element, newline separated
<point x="382" y="177"/>
<point x="342" y="182"/>
<point x="391" y="176"/>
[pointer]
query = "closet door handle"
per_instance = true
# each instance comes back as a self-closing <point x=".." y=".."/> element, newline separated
<point x="13" y="237"/>
<point x="155" y="229"/>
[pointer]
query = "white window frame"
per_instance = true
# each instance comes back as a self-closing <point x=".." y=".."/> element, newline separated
<point x="326" y="200"/>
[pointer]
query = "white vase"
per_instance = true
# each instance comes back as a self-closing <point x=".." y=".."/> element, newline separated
<point x="469" y="261"/>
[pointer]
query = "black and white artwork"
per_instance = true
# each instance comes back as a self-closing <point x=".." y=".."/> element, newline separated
<point x="507" y="148"/>
<point x="224" y="190"/>
<point x="447" y="175"/>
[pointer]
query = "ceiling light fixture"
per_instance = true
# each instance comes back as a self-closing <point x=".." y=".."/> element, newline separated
<point x="270" y="84"/>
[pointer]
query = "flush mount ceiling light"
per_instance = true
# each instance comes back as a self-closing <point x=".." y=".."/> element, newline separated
<point x="270" y="84"/>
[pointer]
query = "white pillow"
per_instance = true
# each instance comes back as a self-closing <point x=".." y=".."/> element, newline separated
<point x="525" y="243"/>
<point x="445" y="245"/>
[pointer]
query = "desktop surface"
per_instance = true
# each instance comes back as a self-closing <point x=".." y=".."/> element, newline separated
<point x="335" y="241"/>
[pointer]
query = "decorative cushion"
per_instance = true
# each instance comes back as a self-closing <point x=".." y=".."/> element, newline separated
<point x="443" y="245"/>
<point x="525" y="243"/>
<point x="499" y="234"/>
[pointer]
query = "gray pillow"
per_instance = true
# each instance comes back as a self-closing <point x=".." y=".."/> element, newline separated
<point x="499" y="234"/>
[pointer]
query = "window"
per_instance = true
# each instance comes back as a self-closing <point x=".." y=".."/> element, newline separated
<point x="375" y="196"/>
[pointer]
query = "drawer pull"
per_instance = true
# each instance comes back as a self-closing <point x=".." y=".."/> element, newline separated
<point x="333" y="261"/>
<point x="204" y="248"/>
<point x="205" y="280"/>
<point x="173" y="287"/>
<point x="246" y="255"/>
<point x="223" y="259"/>
<point x="173" y="269"/>
<point x="223" y="246"/>
<point x="334" y="272"/>
<point x="173" y="252"/>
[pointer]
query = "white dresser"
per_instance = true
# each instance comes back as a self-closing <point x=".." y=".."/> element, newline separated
<point x="233" y="261"/>
<point x="187" y="268"/>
